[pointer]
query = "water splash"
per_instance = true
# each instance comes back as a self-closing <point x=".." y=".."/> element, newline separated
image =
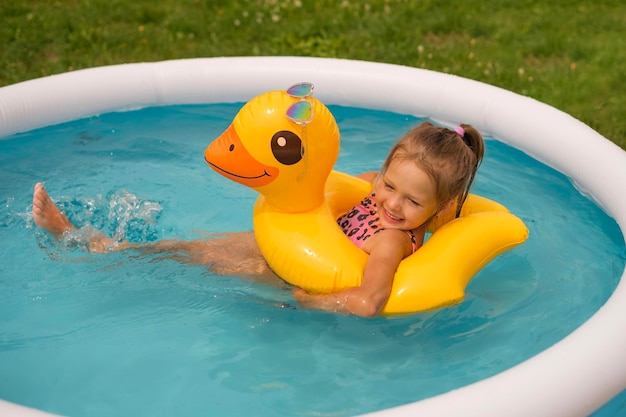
<point x="121" y="215"/>
<point x="132" y="218"/>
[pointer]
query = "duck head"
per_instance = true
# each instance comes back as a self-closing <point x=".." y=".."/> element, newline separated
<point x="283" y="145"/>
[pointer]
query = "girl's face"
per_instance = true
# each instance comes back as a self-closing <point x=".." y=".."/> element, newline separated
<point x="405" y="196"/>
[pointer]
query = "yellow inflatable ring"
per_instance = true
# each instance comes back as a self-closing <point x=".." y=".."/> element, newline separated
<point x="284" y="146"/>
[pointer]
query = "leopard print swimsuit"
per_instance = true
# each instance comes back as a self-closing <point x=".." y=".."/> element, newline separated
<point x="362" y="222"/>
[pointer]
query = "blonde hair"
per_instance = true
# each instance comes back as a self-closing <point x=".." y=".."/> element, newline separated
<point x="451" y="158"/>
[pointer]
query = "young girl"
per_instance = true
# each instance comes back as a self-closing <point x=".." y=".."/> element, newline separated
<point x="426" y="177"/>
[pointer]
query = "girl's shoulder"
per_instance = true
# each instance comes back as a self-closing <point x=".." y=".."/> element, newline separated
<point x="392" y="241"/>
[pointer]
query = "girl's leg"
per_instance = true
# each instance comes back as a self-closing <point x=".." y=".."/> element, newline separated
<point x="227" y="254"/>
<point x="48" y="216"/>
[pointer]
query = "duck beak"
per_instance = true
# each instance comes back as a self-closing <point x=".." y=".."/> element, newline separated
<point x="228" y="156"/>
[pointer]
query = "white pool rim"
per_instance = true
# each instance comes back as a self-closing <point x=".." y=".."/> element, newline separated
<point x="575" y="376"/>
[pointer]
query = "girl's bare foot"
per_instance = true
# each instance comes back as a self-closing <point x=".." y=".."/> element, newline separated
<point x="47" y="215"/>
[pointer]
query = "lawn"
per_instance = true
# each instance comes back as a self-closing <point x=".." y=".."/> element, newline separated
<point x="570" y="54"/>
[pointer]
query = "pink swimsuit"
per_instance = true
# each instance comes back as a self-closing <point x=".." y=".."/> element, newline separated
<point x="362" y="222"/>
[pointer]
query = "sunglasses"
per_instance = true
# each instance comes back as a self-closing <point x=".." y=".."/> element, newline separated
<point x="301" y="112"/>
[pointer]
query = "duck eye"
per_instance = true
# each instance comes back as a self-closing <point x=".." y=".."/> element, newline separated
<point x="287" y="147"/>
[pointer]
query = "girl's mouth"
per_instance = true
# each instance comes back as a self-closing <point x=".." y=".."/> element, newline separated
<point x="390" y="217"/>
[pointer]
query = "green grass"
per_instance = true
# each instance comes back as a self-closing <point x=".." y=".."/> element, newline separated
<point x="569" y="54"/>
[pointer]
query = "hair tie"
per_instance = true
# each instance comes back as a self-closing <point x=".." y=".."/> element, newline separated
<point x="460" y="131"/>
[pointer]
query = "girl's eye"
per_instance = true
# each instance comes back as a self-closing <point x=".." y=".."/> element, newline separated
<point x="388" y="186"/>
<point x="413" y="202"/>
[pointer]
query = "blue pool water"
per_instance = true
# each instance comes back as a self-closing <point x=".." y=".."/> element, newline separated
<point x="126" y="334"/>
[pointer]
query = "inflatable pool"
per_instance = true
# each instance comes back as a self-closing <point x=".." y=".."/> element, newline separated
<point x="573" y="377"/>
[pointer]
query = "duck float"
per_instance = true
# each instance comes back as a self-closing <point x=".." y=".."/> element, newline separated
<point x="284" y="145"/>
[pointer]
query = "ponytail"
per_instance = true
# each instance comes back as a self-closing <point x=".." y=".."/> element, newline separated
<point x="473" y="139"/>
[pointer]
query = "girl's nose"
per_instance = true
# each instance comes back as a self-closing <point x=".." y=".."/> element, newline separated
<point x="393" y="201"/>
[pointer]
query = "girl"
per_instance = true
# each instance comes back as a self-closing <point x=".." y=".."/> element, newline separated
<point x="426" y="177"/>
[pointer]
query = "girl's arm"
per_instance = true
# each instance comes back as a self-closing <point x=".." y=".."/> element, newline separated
<point x="368" y="299"/>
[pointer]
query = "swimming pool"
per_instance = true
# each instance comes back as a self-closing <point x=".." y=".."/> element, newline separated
<point x="320" y="72"/>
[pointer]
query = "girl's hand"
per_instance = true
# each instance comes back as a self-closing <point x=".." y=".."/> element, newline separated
<point x="299" y="295"/>
<point x="369" y="176"/>
<point x="314" y="301"/>
<point x="355" y="300"/>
